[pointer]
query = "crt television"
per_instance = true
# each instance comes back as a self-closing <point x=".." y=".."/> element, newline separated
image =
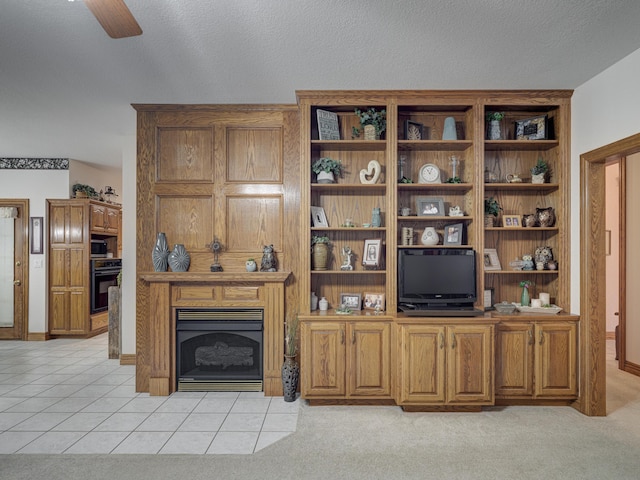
<point x="436" y="278"/>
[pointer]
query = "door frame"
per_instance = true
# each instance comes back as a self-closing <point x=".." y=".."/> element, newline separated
<point x="23" y="205"/>
<point x="592" y="272"/>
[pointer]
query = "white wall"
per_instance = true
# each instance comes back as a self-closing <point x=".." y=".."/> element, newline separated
<point x="612" y="224"/>
<point x="97" y="177"/>
<point x="632" y="318"/>
<point x="129" y="218"/>
<point x="37" y="186"/>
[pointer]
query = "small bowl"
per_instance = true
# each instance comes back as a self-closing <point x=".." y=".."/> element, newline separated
<point x="505" y="307"/>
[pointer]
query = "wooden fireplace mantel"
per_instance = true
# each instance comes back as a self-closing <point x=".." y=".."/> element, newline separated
<point x="169" y="290"/>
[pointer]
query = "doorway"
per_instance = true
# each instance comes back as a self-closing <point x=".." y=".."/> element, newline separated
<point x="14" y="268"/>
<point x="593" y="272"/>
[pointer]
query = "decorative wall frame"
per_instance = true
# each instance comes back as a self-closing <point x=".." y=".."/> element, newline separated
<point x="534" y="128"/>
<point x="413" y="130"/>
<point x="318" y="217"/>
<point x="454" y="234"/>
<point x="36" y="235"/>
<point x="426" y="206"/>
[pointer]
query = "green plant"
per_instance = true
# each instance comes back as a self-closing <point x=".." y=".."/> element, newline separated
<point x="540" y="167"/>
<point x="494" y="116"/>
<point x="319" y="239"/>
<point x="371" y="116"/>
<point x="251" y="259"/>
<point x="526" y="283"/>
<point x="491" y="207"/>
<point x="290" y="335"/>
<point x="87" y="189"/>
<point x="326" y="164"/>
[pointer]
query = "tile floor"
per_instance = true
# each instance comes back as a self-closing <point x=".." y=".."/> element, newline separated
<point x="66" y="396"/>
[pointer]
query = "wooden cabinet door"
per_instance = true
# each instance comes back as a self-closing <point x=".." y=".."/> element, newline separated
<point x="422" y="357"/>
<point x="556" y="359"/>
<point x="98" y="218"/>
<point x="514" y="359"/>
<point x="322" y="358"/>
<point x="369" y="359"/>
<point x="470" y="364"/>
<point x="111" y="219"/>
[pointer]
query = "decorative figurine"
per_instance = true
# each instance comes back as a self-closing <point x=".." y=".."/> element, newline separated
<point x="346" y="258"/>
<point x="542" y="257"/>
<point x="455" y="211"/>
<point x="216" y="248"/>
<point x="268" y="263"/>
<point x="527" y="262"/>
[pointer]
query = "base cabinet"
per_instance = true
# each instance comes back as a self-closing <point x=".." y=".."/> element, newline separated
<point x="345" y="360"/>
<point x="445" y="365"/>
<point x="537" y="360"/>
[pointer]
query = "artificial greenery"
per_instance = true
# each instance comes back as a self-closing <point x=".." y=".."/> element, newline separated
<point x="540" y="167"/>
<point x="326" y="164"/>
<point x="251" y="259"/>
<point x="526" y="283"/>
<point x="491" y="207"/>
<point x="319" y="239"/>
<point x="371" y="116"/>
<point x="405" y="180"/>
<point x="454" y="180"/>
<point x="87" y="189"/>
<point x="290" y="336"/>
<point x="494" y="116"/>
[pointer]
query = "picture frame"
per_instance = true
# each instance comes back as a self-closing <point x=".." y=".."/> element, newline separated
<point x="413" y="130"/>
<point x="318" y="217"/>
<point x="36" y="235"/>
<point x="372" y="252"/>
<point x="491" y="260"/>
<point x="488" y="300"/>
<point x="328" y="126"/>
<point x="534" y="128"/>
<point x="352" y="301"/>
<point x="427" y="206"/>
<point x="511" y="221"/>
<point x="454" y="234"/>
<point x="373" y="300"/>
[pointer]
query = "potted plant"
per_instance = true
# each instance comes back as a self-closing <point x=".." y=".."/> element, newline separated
<point x="290" y="367"/>
<point x="327" y="169"/>
<point x="493" y="132"/>
<point x="540" y="171"/>
<point x="320" y="246"/>
<point x="491" y="211"/>
<point x="372" y="121"/>
<point x="82" y="191"/>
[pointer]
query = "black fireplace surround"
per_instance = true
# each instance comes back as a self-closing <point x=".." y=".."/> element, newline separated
<point x="219" y="349"/>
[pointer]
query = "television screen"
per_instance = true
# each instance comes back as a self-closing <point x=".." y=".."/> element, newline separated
<point x="436" y="276"/>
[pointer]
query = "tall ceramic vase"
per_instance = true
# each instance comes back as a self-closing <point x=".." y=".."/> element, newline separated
<point x="160" y="253"/>
<point x="525" y="300"/>
<point x="290" y="375"/>
<point x="179" y="259"/>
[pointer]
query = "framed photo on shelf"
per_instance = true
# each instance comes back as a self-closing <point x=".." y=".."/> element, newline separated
<point x="491" y="260"/>
<point x="413" y="130"/>
<point x="37" y="235"/>
<point x="426" y="206"/>
<point x="511" y="221"/>
<point x="372" y="252"/>
<point x="534" y="128"/>
<point x="318" y="217"/>
<point x="488" y="299"/>
<point x="453" y="234"/>
<point x="328" y="127"/>
<point x="373" y="301"/>
<point x="351" y="300"/>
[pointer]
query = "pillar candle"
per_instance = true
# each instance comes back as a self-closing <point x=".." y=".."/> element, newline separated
<point x="545" y="298"/>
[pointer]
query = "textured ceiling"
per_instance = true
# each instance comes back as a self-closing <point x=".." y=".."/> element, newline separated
<point x="66" y="87"/>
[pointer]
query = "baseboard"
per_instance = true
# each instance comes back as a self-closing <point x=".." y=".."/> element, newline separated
<point x="38" y="337"/>
<point x="611" y="335"/>
<point x="127" y="359"/>
<point x="632" y="368"/>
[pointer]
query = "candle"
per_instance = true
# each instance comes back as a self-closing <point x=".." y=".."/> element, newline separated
<point x="545" y="298"/>
<point x="536" y="303"/>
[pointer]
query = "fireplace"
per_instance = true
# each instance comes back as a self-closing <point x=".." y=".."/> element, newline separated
<point x="219" y="349"/>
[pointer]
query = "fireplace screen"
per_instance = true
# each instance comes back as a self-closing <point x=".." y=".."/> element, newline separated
<point x="219" y="349"/>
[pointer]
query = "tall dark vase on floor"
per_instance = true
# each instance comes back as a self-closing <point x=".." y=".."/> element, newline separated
<point x="290" y="376"/>
<point x="290" y="367"/>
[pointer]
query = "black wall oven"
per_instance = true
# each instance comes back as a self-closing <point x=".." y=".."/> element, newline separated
<point x="104" y="274"/>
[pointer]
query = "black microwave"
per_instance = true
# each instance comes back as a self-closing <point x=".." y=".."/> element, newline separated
<point x="98" y="248"/>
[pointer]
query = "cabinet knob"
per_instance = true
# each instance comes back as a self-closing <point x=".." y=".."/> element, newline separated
<point x="541" y="338"/>
<point x="342" y="337"/>
<point x="441" y="340"/>
<point x="531" y="339"/>
<point x="17" y="283"/>
<point x="453" y="340"/>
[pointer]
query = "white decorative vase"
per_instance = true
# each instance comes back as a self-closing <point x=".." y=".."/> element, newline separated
<point x="370" y="132"/>
<point x="430" y="236"/>
<point x="494" y="130"/>
<point x="314" y="301"/>
<point x="251" y="265"/>
<point x="325" y="177"/>
<point x="449" y="132"/>
<point x="537" y="178"/>
<point x="323" y="304"/>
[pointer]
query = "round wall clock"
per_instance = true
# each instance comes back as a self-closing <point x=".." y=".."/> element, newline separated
<point x="429" y="173"/>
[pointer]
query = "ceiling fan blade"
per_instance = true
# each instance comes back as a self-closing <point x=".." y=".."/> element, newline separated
<point x="115" y="18"/>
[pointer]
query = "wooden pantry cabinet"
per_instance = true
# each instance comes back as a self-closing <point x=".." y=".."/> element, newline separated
<point x="71" y="228"/>
<point x="481" y="167"/>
